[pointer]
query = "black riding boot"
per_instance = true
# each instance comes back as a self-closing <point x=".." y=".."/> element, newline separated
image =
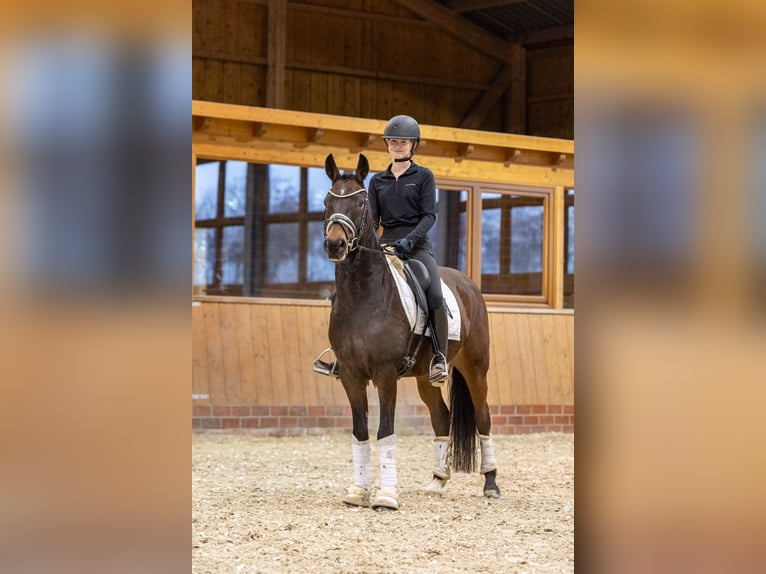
<point x="439" y="333"/>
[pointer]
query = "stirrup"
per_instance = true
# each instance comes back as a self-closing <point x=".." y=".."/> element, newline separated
<point x="324" y="368"/>
<point x="438" y="378"/>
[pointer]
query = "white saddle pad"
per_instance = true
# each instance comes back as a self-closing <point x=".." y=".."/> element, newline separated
<point x="416" y="318"/>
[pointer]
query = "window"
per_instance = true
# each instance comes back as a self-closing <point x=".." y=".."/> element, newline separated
<point x="512" y="243"/>
<point x="449" y="236"/>
<point x="569" y="248"/>
<point x="258" y="230"/>
<point x="259" y="233"/>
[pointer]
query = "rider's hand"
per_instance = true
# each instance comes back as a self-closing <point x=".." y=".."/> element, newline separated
<point x="403" y="246"/>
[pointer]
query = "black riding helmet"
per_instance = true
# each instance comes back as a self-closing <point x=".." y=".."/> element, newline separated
<point x="403" y="128"/>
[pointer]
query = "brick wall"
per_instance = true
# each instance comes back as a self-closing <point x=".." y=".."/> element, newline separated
<point x="278" y="421"/>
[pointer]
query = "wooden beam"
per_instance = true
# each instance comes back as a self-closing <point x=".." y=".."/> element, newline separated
<point x="516" y="99"/>
<point x="200" y="123"/>
<point x="553" y="34"/>
<point x="489" y="98"/>
<point x="463" y="151"/>
<point x="339" y="70"/>
<point x="365" y="126"/>
<point x="260" y="151"/>
<point x="511" y="157"/>
<point x="277" y="50"/>
<point x="470" y="5"/>
<point x="260" y="129"/>
<point x="463" y="30"/>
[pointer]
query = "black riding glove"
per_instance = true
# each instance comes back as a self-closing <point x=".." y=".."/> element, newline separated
<point x="403" y="246"/>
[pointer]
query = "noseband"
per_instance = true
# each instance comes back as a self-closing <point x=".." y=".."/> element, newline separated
<point x="352" y="231"/>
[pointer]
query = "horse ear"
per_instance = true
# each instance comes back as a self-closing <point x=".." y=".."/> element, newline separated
<point x="362" y="167"/>
<point x="330" y="168"/>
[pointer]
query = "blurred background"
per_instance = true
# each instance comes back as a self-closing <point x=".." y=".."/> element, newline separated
<point x="95" y="341"/>
<point x="670" y="126"/>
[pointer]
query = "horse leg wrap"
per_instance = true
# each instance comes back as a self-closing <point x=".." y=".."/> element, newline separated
<point x="359" y="493"/>
<point x="488" y="463"/>
<point x="441" y="466"/>
<point x="387" y="497"/>
<point x="362" y="469"/>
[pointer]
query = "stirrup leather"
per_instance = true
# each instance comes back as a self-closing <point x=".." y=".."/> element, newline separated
<point x="330" y="369"/>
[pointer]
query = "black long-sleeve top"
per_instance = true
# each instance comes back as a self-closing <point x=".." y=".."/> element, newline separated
<point x="406" y="206"/>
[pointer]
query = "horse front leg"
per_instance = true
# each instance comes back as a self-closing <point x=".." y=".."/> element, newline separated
<point x="388" y="495"/>
<point x="358" y="494"/>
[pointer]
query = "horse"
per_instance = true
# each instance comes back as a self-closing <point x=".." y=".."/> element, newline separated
<point x="370" y="334"/>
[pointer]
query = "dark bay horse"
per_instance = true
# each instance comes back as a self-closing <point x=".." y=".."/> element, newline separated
<point x="370" y="334"/>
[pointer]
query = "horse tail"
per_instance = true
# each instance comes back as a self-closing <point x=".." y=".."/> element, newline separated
<point x="462" y="425"/>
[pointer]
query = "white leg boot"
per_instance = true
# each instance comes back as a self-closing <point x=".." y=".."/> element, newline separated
<point x="359" y="493"/>
<point x="387" y="496"/>
<point x="441" y="468"/>
<point x="487" y="454"/>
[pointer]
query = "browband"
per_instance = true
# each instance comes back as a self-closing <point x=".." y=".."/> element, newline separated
<point x="347" y="195"/>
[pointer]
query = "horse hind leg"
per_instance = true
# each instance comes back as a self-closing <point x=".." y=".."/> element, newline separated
<point x="441" y="470"/>
<point x="440" y="421"/>
<point x="489" y="467"/>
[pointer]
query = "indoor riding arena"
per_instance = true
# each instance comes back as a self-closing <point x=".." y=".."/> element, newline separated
<point x="279" y="85"/>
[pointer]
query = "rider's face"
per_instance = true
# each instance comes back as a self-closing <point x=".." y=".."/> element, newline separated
<point x="398" y="149"/>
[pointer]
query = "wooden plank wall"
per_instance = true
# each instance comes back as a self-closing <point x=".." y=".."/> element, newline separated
<point x="254" y="353"/>
<point x="372" y="67"/>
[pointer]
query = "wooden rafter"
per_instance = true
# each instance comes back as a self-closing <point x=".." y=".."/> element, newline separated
<point x="489" y="98"/>
<point x="463" y="30"/>
<point x="469" y="5"/>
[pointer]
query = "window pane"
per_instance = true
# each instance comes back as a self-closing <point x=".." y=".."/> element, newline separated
<point x="204" y="257"/>
<point x="319" y="267"/>
<point x="236" y="183"/>
<point x="512" y="244"/>
<point x="527" y="239"/>
<point x="232" y="255"/>
<point x="448" y="234"/>
<point x="490" y="240"/>
<point x="570" y="268"/>
<point x="318" y="183"/>
<point x="206" y="190"/>
<point x="282" y="253"/>
<point x="284" y="188"/>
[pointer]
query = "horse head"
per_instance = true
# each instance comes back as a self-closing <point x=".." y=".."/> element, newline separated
<point x="346" y="209"/>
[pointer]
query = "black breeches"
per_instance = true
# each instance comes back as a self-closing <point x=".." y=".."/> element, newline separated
<point x="434" y="296"/>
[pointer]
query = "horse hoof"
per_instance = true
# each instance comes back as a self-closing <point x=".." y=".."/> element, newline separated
<point x="357" y="496"/>
<point x="385" y="501"/>
<point x="492" y="493"/>
<point x="436" y="486"/>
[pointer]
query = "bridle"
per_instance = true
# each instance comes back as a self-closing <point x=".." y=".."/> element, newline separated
<point x="351" y="230"/>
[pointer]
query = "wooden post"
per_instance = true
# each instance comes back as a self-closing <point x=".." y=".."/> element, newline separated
<point x="516" y="99"/>
<point x="277" y="39"/>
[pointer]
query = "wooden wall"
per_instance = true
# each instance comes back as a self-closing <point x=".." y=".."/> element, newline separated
<point x="252" y="369"/>
<point x="370" y="59"/>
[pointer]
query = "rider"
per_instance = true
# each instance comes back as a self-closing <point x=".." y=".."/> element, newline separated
<point x="403" y="201"/>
